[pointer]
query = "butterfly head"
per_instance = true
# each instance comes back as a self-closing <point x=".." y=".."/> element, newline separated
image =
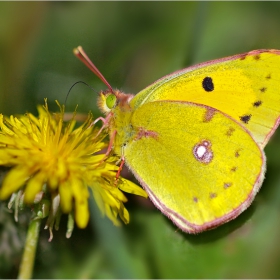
<point x="108" y="100"/>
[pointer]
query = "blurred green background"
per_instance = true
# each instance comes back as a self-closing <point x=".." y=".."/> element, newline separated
<point x="133" y="44"/>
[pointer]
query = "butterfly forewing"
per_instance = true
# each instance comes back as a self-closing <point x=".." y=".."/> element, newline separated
<point x="244" y="86"/>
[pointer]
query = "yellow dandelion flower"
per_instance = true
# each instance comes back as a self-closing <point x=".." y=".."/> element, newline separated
<point x="46" y="154"/>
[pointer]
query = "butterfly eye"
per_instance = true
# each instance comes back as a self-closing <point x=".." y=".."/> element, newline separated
<point x="111" y="101"/>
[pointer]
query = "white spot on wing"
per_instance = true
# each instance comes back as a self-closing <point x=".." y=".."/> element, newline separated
<point x="202" y="152"/>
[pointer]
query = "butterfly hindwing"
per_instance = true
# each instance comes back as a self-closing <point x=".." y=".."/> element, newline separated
<point x="199" y="166"/>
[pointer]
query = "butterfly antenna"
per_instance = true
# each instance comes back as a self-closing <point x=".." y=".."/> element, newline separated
<point x="79" y="82"/>
<point x="80" y="53"/>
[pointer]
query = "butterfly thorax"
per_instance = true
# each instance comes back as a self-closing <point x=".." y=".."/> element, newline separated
<point x="119" y="121"/>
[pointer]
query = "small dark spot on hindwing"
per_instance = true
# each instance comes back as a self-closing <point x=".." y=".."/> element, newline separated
<point x="212" y="195"/>
<point x="230" y="131"/>
<point x="237" y="153"/>
<point x="227" y="185"/>
<point x="209" y="114"/>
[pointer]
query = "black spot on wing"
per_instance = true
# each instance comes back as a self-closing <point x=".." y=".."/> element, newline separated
<point x="245" y="118"/>
<point x="257" y="103"/>
<point x="207" y="84"/>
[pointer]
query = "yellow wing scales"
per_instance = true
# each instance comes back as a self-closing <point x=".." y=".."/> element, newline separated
<point x="246" y="87"/>
<point x="199" y="168"/>
<point x="194" y="139"/>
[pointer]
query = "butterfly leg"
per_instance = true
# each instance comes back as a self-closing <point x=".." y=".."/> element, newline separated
<point x="109" y="149"/>
<point x="111" y="143"/>
<point x="122" y="161"/>
<point x="104" y="125"/>
<point x="120" y="168"/>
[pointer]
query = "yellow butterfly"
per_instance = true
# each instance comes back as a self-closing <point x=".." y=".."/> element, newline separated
<point x="194" y="139"/>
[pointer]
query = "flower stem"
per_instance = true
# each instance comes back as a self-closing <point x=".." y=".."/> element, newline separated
<point x="27" y="262"/>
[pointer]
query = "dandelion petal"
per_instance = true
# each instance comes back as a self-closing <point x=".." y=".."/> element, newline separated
<point x="13" y="181"/>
